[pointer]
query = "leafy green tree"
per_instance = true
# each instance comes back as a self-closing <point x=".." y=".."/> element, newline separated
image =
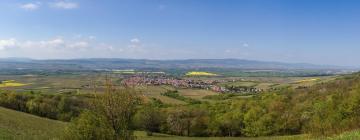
<point x="118" y="107"/>
<point x="199" y="122"/>
<point x="179" y="122"/>
<point x="149" y="119"/>
<point x="89" y="126"/>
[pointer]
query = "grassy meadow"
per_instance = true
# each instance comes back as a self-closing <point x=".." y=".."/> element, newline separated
<point x="22" y="126"/>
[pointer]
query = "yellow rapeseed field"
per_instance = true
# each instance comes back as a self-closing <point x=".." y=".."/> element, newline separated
<point x="200" y="73"/>
<point x="11" y="83"/>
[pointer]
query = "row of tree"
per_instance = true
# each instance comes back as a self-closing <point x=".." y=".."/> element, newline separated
<point x="53" y="106"/>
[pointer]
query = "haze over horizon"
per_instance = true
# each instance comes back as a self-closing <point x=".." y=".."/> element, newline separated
<point x="293" y="31"/>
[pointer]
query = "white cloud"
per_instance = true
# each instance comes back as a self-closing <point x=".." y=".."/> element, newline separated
<point x="57" y="43"/>
<point x="62" y="47"/>
<point x="80" y="44"/>
<point x="135" y="40"/>
<point x="64" y="5"/>
<point x="4" y="44"/>
<point x="58" y="48"/>
<point x="135" y="45"/>
<point x="54" y="42"/>
<point x="30" y="6"/>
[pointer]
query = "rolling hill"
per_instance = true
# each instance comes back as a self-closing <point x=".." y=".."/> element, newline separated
<point x="18" y="125"/>
<point x="115" y="63"/>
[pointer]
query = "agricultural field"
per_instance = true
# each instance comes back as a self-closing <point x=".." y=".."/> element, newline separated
<point x="11" y="83"/>
<point x="198" y="94"/>
<point x="129" y="71"/>
<point x="266" y="83"/>
<point x="200" y="73"/>
<point x="83" y="83"/>
<point x="155" y="92"/>
<point x="241" y="83"/>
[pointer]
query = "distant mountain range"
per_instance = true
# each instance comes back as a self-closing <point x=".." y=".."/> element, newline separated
<point x="115" y="63"/>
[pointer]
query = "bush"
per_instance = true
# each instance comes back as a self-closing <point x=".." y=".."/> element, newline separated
<point x="89" y="126"/>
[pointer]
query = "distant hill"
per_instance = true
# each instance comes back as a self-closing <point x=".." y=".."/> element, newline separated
<point x="99" y="63"/>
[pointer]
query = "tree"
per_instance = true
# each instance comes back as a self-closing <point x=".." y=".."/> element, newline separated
<point x="199" y="122"/>
<point x="110" y="116"/>
<point x="178" y="122"/>
<point x="149" y="119"/>
<point x="118" y="106"/>
<point x="89" y="126"/>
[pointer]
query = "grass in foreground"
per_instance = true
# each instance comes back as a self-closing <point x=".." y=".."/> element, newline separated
<point x="354" y="135"/>
<point x="140" y="135"/>
<point x="17" y="125"/>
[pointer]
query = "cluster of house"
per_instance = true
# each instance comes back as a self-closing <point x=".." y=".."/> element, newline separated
<point x="184" y="83"/>
<point x="242" y="89"/>
<point x="176" y="82"/>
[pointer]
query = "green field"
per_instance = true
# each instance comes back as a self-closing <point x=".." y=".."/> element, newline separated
<point x="196" y="93"/>
<point x="155" y="92"/>
<point x="82" y="83"/>
<point x="18" y="125"/>
<point x="241" y="83"/>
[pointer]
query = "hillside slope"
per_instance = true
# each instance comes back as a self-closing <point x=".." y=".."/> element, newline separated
<point x="18" y="125"/>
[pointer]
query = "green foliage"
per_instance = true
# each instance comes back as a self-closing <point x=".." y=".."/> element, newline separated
<point x="110" y="116"/>
<point x="118" y="107"/>
<point x="89" y="126"/>
<point x="176" y="95"/>
<point x="219" y="96"/>
<point x="59" y="106"/>
<point x="321" y="110"/>
<point x="149" y="119"/>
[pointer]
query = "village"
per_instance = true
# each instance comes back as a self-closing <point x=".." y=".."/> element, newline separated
<point x="213" y="85"/>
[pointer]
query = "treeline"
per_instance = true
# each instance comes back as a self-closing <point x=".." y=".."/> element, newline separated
<point x="256" y="117"/>
<point x="174" y="94"/>
<point x="53" y="106"/>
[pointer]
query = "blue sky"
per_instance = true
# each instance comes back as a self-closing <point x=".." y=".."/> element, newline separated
<point x="310" y="31"/>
